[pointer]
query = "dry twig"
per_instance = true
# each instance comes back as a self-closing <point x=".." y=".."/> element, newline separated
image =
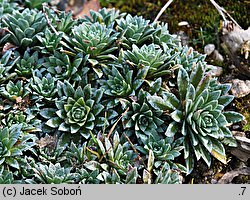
<point x="218" y="8"/>
<point x="134" y="149"/>
<point x="163" y="10"/>
<point x="113" y="127"/>
<point x="48" y="20"/>
<point x="222" y="11"/>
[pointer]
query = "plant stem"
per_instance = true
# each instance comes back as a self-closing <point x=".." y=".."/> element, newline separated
<point x="221" y="10"/>
<point x="113" y="127"/>
<point x="163" y="10"/>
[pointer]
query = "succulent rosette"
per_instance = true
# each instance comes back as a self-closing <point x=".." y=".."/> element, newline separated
<point x="13" y="144"/>
<point x="95" y="40"/>
<point x="24" y="27"/>
<point x="143" y="118"/>
<point x="117" y="84"/>
<point x="77" y="110"/>
<point x="43" y="87"/>
<point x="198" y="114"/>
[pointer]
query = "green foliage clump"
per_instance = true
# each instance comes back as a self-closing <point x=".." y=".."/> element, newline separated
<point x="109" y="99"/>
<point x="24" y="27"/>
<point x="202" y="16"/>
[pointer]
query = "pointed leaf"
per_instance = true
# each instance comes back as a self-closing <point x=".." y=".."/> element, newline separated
<point x="54" y="122"/>
<point x="182" y="82"/>
<point x="172" y="129"/>
<point x="233" y="117"/>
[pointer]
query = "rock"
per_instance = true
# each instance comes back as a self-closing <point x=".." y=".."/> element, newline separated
<point x="209" y="49"/>
<point x="240" y="88"/>
<point x="242" y="151"/>
<point x="231" y="67"/>
<point x="214" y="70"/>
<point x="183" y="23"/>
<point x="236" y="127"/>
<point x="244" y="142"/>
<point x="236" y="43"/>
<point x="214" y="181"/>
<point x="217" y="56"/>
<point x="229" y="176"/>
<point x="183" y="38"/>
<point x="234" y="37"/>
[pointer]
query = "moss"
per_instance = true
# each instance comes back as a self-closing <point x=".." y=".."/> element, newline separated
<point x="202" y="16"/>
<point x="243" y="105"/>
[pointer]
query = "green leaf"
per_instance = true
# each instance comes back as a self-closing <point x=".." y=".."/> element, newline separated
<point x="98" y="71"/>
<point x="233" y="117"/>
<point x="47" y="113"/>
<point x="189" y="164"/>
<point x="68" y="89"/>
<point x="221" y="119"/>
<point x="74" y="128"/>
<point x="26" y="42"/>
<point x="64" y="127"/>
<point x="204" y="84"/>
<point x="131" y="176"/>
<point x="197" y="151"/>
<point x="176" y="115"/>
<point x="151" y="159"/>
<point x="12" y="162"/>
<point x="29" y="32"/>
<point x="54" y="122"/>
<point x="101" y="147"/>
<point x="158" y="103"/>
<point x="183" y="83"/>
<point x="2" y="160"/>
<point x="206" y="156"/>
<point x="155" y="85"/>
<point x="142" y="73"/>
<point x="190" y="93"/>
<point x="16" y="152"/>
<point x="197" y="75"/>
<point x="230" y="141"/>
<point x="225" y="100"/>
<point x="218" y="147"/>
<point x="172" y="129"/>
<point x="109" y="149"/>
<point x="219" y="151"/>
<point x="116" y="140"/>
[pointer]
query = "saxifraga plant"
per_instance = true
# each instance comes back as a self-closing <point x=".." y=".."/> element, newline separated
<point x="13" y="144"/>
<point x="76" y="110"/>
<point x="198" y="115"/>
<point x="119" y="98"/>
<point x="23" y="27"/>
<point x="6" y="64"/>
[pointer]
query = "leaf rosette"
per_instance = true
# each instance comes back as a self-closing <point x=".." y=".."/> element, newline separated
<point x="24" y="27"/>
<point x="117" y="84"/>
<point x="143" y="118"/>
<point x="77" y="110"/>
<point x="198" y="114"/>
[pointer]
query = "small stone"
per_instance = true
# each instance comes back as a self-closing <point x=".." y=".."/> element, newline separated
<point x="231" y="67"/>
<point x="213" y="181"/>
<point x="217" y="56"/>
<point x="183" y="23"/>
<point x="236" y="127"/>
<point x="240" y="88"/>
<point x="183" y="37"/>
<point x="208" y="49"/>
